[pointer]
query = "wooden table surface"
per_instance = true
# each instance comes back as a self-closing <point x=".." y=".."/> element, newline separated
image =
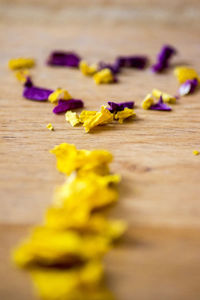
<point x="160" y="190"/>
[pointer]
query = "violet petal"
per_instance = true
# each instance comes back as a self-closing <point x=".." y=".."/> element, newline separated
<point x="61" y="58"/>
<point x="64" y="105"/>
<point x="36" y="93"/>
<point x="163" y="58"/>
<point x="113" y="67"/>
<point x="136" y="61"/>
<point x="160" y="105"/>
<point x="28" y="82"/>
<point x="188" y="87"/>
<point x="114" y="107"/>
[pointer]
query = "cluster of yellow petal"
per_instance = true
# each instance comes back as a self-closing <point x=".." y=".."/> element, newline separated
<point x="124" y="114"/>
<point x="21" y="63"/>
<point x="72" y="118"/>
<point x="59" y="94"/>
<point x="103" y="76"/>
<point x="184" y="73"/>
<point x="86" y="69"/>
<point x="167" y="98"/>
<point x="147" y="102"/>
<point x="65" y="253"/>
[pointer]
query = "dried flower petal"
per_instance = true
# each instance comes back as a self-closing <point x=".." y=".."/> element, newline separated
<point x="66" y="59"/>
<point x="167" y="98"/>
<point x="184" y="73"/>
<point x="86" y="69"/>
<point x="21" y="63"/>
<point x="99" y="118"/>
<point x="22" y="75"/>
<point x="124" y="114"/>
<point x="160" y="105"/>
<point x="35" y="93"/>
<point x="72" y="118"/>
<point x="134" y="61"/>
<point x="64" y="105"/>
<point x="104" y="76"/>
<point x="195" y="152"/>
<point x="59" y="94"/>
<point x="114" y="68"/>
<point x="188" y="87"/>
<point x="163" y="58"/>
<point x="50" y="127"/>
<point x="115" y="107"/>
<point x="147" y="102"/>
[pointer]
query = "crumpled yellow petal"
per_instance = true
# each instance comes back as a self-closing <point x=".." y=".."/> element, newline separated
<point x="80" y="283"/>
<point x="124" y="114"/>
<point x="22" y="75"/>
<point x="103" y="76"/>
<point x="70" y="159"/>
<point x="72" y="118"/>
<point x="195" y="152"/>
<point x="184" y="73"/>
<point x="85" y="114"/>
<point x="51" y="247"/>
<point x="50" y="127"/>
<point x="100" y="118"/>
<point x="86" y="69"/>
<point x="93" y="191"/>
<point x="167" y="98"/>
<point x="21" y="63"/>
<point x="59" y="94"/>
<point x="147" y="102"/>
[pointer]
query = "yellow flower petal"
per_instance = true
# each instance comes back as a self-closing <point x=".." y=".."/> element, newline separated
<point x="167" y="98"/>
<point x="72" y="118"/>
<point x="59" y="94"/>
<point x="103" y="76"/>
<point x="50" y="127"/>
<point x="22" y="75"/>
<point x="124" y="114"/>
<point x="85" y="114"/>
<point x="185" y="73"/>
<point x="195" y="152"/>
<point x="86" y="69"/>
<point x="147" y="102"/>
<point x="100" y="118"/>
<point x="21" y="63"/>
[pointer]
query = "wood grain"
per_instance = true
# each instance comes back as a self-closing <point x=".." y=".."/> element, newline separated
<point x="159" y="193"/>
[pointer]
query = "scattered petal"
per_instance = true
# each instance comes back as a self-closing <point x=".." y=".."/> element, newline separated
<point x="188" y="87"/>
<point x="184" y="73"/>
<point x="135" y="61"/>
<point x="59" y="94"/>
<point x="86" y="69"/>
<point x="66" y="59"/>
<point x="72" y="118"/>
<point x="115" y="107"/>
<point x="114" y="68"/>
<point x="22" y="75"/>
<point x="100" y="118"/>
<point x="163" y="58"/>
<point x="147" y="102"/>
<point x="160" y="105"/>
<point x="195" y="152"/>
<point x="35" y="93"/>
<point x="50" y="127"/>
<point x="124" y="114"/>
<point x="167" y="98"/>
<point x="64" y="105"/>
<point x="104" y="76"/>
<point x="21" y="63"/>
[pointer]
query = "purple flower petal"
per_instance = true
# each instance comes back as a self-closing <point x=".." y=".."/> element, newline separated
<point x="113" y="67"/>
<point x="67" y="59"/>
<point x="36" y="93"/>
<point x="188" y="87"/>
<point x="28" y="82"/>
<point x="64" y="105"/>
<point x="163" y="58"/>
<point x="160" y="105"/>
<point x="138" y="62"/>
<point x="114" y="107"/>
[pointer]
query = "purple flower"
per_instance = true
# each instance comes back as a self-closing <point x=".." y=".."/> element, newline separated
<point x="160" y="105"/>
<point x="35" y="93"/>
<point x="114" y="107"/>
<point x="64" y="105"/>
<point x="163" y="58"/>
<point x="188" y="87"/>
<point x="66" y="59"/>
<point x="138" y="62"/>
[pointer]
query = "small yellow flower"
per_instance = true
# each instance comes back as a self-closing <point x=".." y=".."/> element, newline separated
<point x="185" y="73"/>
<point x="167" y="98"/>
<point x="124" y="114"/>
<point x="195" y="152"/>
<point x="103" y="76"/>
<point x="86" y="69"/>
<point x="59" y="94"/>
<point x="21" y="63"/>
<point x="72" y="118"/>
<point x="147" y="102"/>
<point x="50" y="127"/>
